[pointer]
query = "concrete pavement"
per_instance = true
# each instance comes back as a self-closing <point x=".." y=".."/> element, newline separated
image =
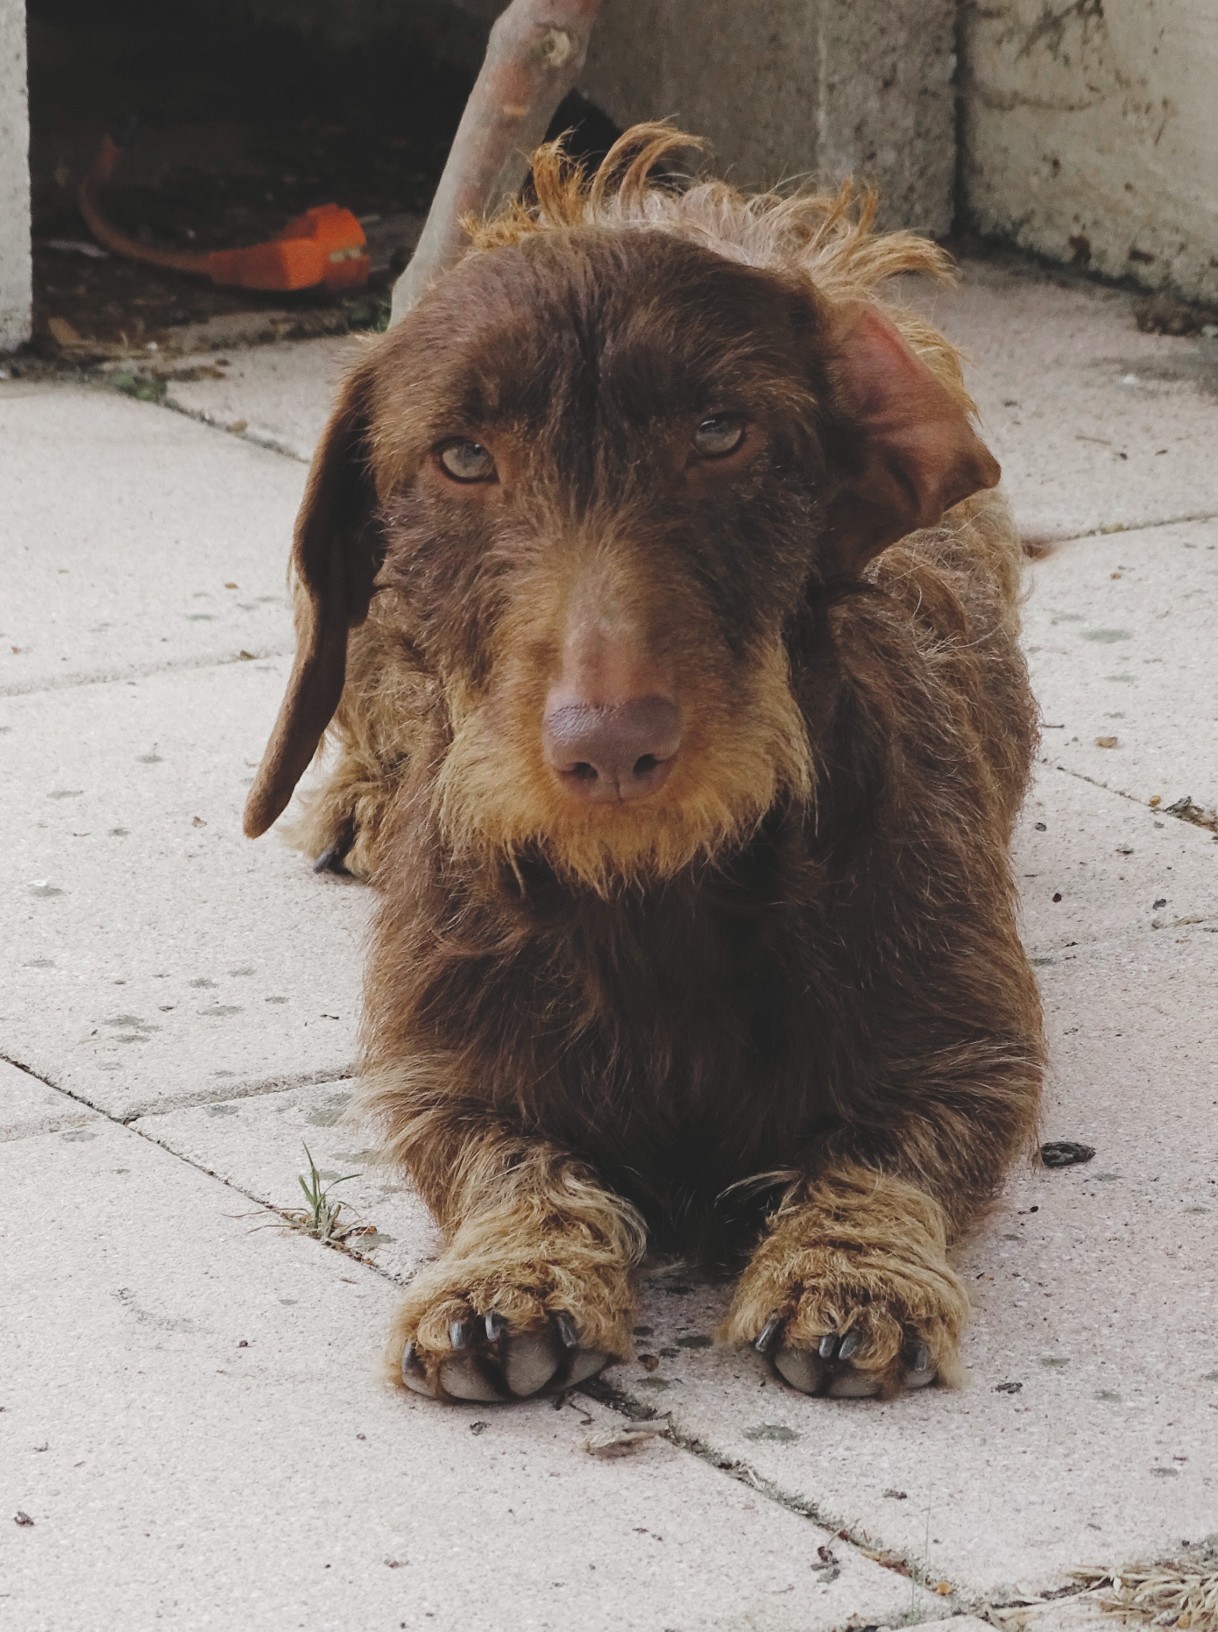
<point x="193" y="1423"/>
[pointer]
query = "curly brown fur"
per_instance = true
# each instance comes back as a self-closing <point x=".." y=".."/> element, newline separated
<point x="780" y="1006"/>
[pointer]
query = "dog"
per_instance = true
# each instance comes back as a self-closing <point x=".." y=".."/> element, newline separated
<point x="654" y="589"/>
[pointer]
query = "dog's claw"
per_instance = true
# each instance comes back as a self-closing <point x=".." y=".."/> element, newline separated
<point x="920" y="1370"/>
<point x="768" y="1335"/>
<point x="827" y="1368"/>
<point x="332" y="857"/>
<point x="461" y="1333"/>
<point x="568" y="1333"/>
<point x="487" y="1363"/>
<point x="413" y="1374"/>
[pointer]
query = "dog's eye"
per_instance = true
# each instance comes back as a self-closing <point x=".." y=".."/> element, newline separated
<point x="718" y="436"/>
<point x="467" y="462"/>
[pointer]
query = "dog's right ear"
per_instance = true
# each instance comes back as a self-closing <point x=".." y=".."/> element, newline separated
<point x="336" y="552"/>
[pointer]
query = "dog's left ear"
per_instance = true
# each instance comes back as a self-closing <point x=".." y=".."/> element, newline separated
<point x="901" y="440"/>
<point x="336" y="551"/>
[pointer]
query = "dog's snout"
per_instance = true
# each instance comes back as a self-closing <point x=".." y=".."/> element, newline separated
<point x="616" y="751"/>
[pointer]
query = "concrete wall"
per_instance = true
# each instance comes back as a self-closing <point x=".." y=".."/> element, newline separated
<point x="14" y="179"/>
<point x="1091" y="133"/>
<point x="824" y="88"/>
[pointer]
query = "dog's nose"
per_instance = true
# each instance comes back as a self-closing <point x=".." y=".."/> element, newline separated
<point x="616" y="751"/>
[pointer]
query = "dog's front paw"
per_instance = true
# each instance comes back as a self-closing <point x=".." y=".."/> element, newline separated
<point x="340" y="823"/>
<point x="485" y="1360"/>
<point x="497" y="1338"/>
<point x="873" y="1351"/>
<point x="851" y="1325"/>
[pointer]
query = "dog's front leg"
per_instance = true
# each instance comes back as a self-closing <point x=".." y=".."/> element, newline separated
<point x="535" y="1290"/>
<point x="850" y="1292"/>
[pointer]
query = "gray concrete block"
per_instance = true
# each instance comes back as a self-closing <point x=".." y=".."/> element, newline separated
<point x="1120" y="637"/>
<point x="134" y="539"/>
<point x="781" y="89"/>
<point x="1088" y="1426"/>
<point x="1088" y="135"/>
<point x="156" y="953"/>
<point x="817" y="88"/>
<point x="195" y="1430"/>
<point x="15" y="266"/>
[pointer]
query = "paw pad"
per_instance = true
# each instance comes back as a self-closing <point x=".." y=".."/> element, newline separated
<point x="828" y="1367"/>
<point x="487" y="1363"/>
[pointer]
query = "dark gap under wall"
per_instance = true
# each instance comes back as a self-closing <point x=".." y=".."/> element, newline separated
<point x="243" y="123"/>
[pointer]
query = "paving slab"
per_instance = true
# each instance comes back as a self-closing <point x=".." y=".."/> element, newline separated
<point x="194" y="1436"/>
<point x="29" y="1106"/>
<point x="279" y="394"/>
<point x="1120" y="638"/>
<point x="1095" y="424"/>
<point x="1093" y="865"/>
<point x="262" y="1144"/>
<point x="134" y="538"/>
<point x="1088" y="1427"/>
<point x="157" y="954"/>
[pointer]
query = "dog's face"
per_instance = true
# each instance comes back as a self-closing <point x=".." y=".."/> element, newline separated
<point x="601" y="473"/>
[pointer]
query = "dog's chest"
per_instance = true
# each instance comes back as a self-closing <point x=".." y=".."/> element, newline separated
<point x="686" y="1029"/>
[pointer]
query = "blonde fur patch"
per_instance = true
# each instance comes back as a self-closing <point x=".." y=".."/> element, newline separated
<point x="495" y="797"/>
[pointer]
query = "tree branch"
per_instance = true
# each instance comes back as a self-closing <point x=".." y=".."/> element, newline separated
<point x="534" y="57"/>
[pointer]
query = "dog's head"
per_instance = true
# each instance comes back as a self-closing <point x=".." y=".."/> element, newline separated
<point x="602" y="470"/>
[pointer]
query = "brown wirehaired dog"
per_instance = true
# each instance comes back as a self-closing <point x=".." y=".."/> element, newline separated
<point x="682" y="731"/>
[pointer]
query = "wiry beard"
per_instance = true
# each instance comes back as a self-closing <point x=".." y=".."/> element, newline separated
<point x="496" y="800"/>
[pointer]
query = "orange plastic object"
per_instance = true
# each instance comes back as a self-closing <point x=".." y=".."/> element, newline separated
<point x="325" y="245"/>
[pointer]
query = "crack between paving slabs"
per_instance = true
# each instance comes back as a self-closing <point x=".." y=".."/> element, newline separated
<point x="97" y="380"/>
<point x="264" y="1086"/>
<point x="617" y="1399"/>
<point x="1203" y="920"/>
<point x="101" y="381"/>
<point x="1041" y="545"/>
<point x="106" y="677"/>
<point x="266" y="442"/>
<point x="1208" y="823"/>
<point x="888" y="1558"/>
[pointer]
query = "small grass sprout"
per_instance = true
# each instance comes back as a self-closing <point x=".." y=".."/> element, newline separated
<point x="322" y="1217"/>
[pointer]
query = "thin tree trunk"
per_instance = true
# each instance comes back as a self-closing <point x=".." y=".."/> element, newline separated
<point x="533" y="58"/>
